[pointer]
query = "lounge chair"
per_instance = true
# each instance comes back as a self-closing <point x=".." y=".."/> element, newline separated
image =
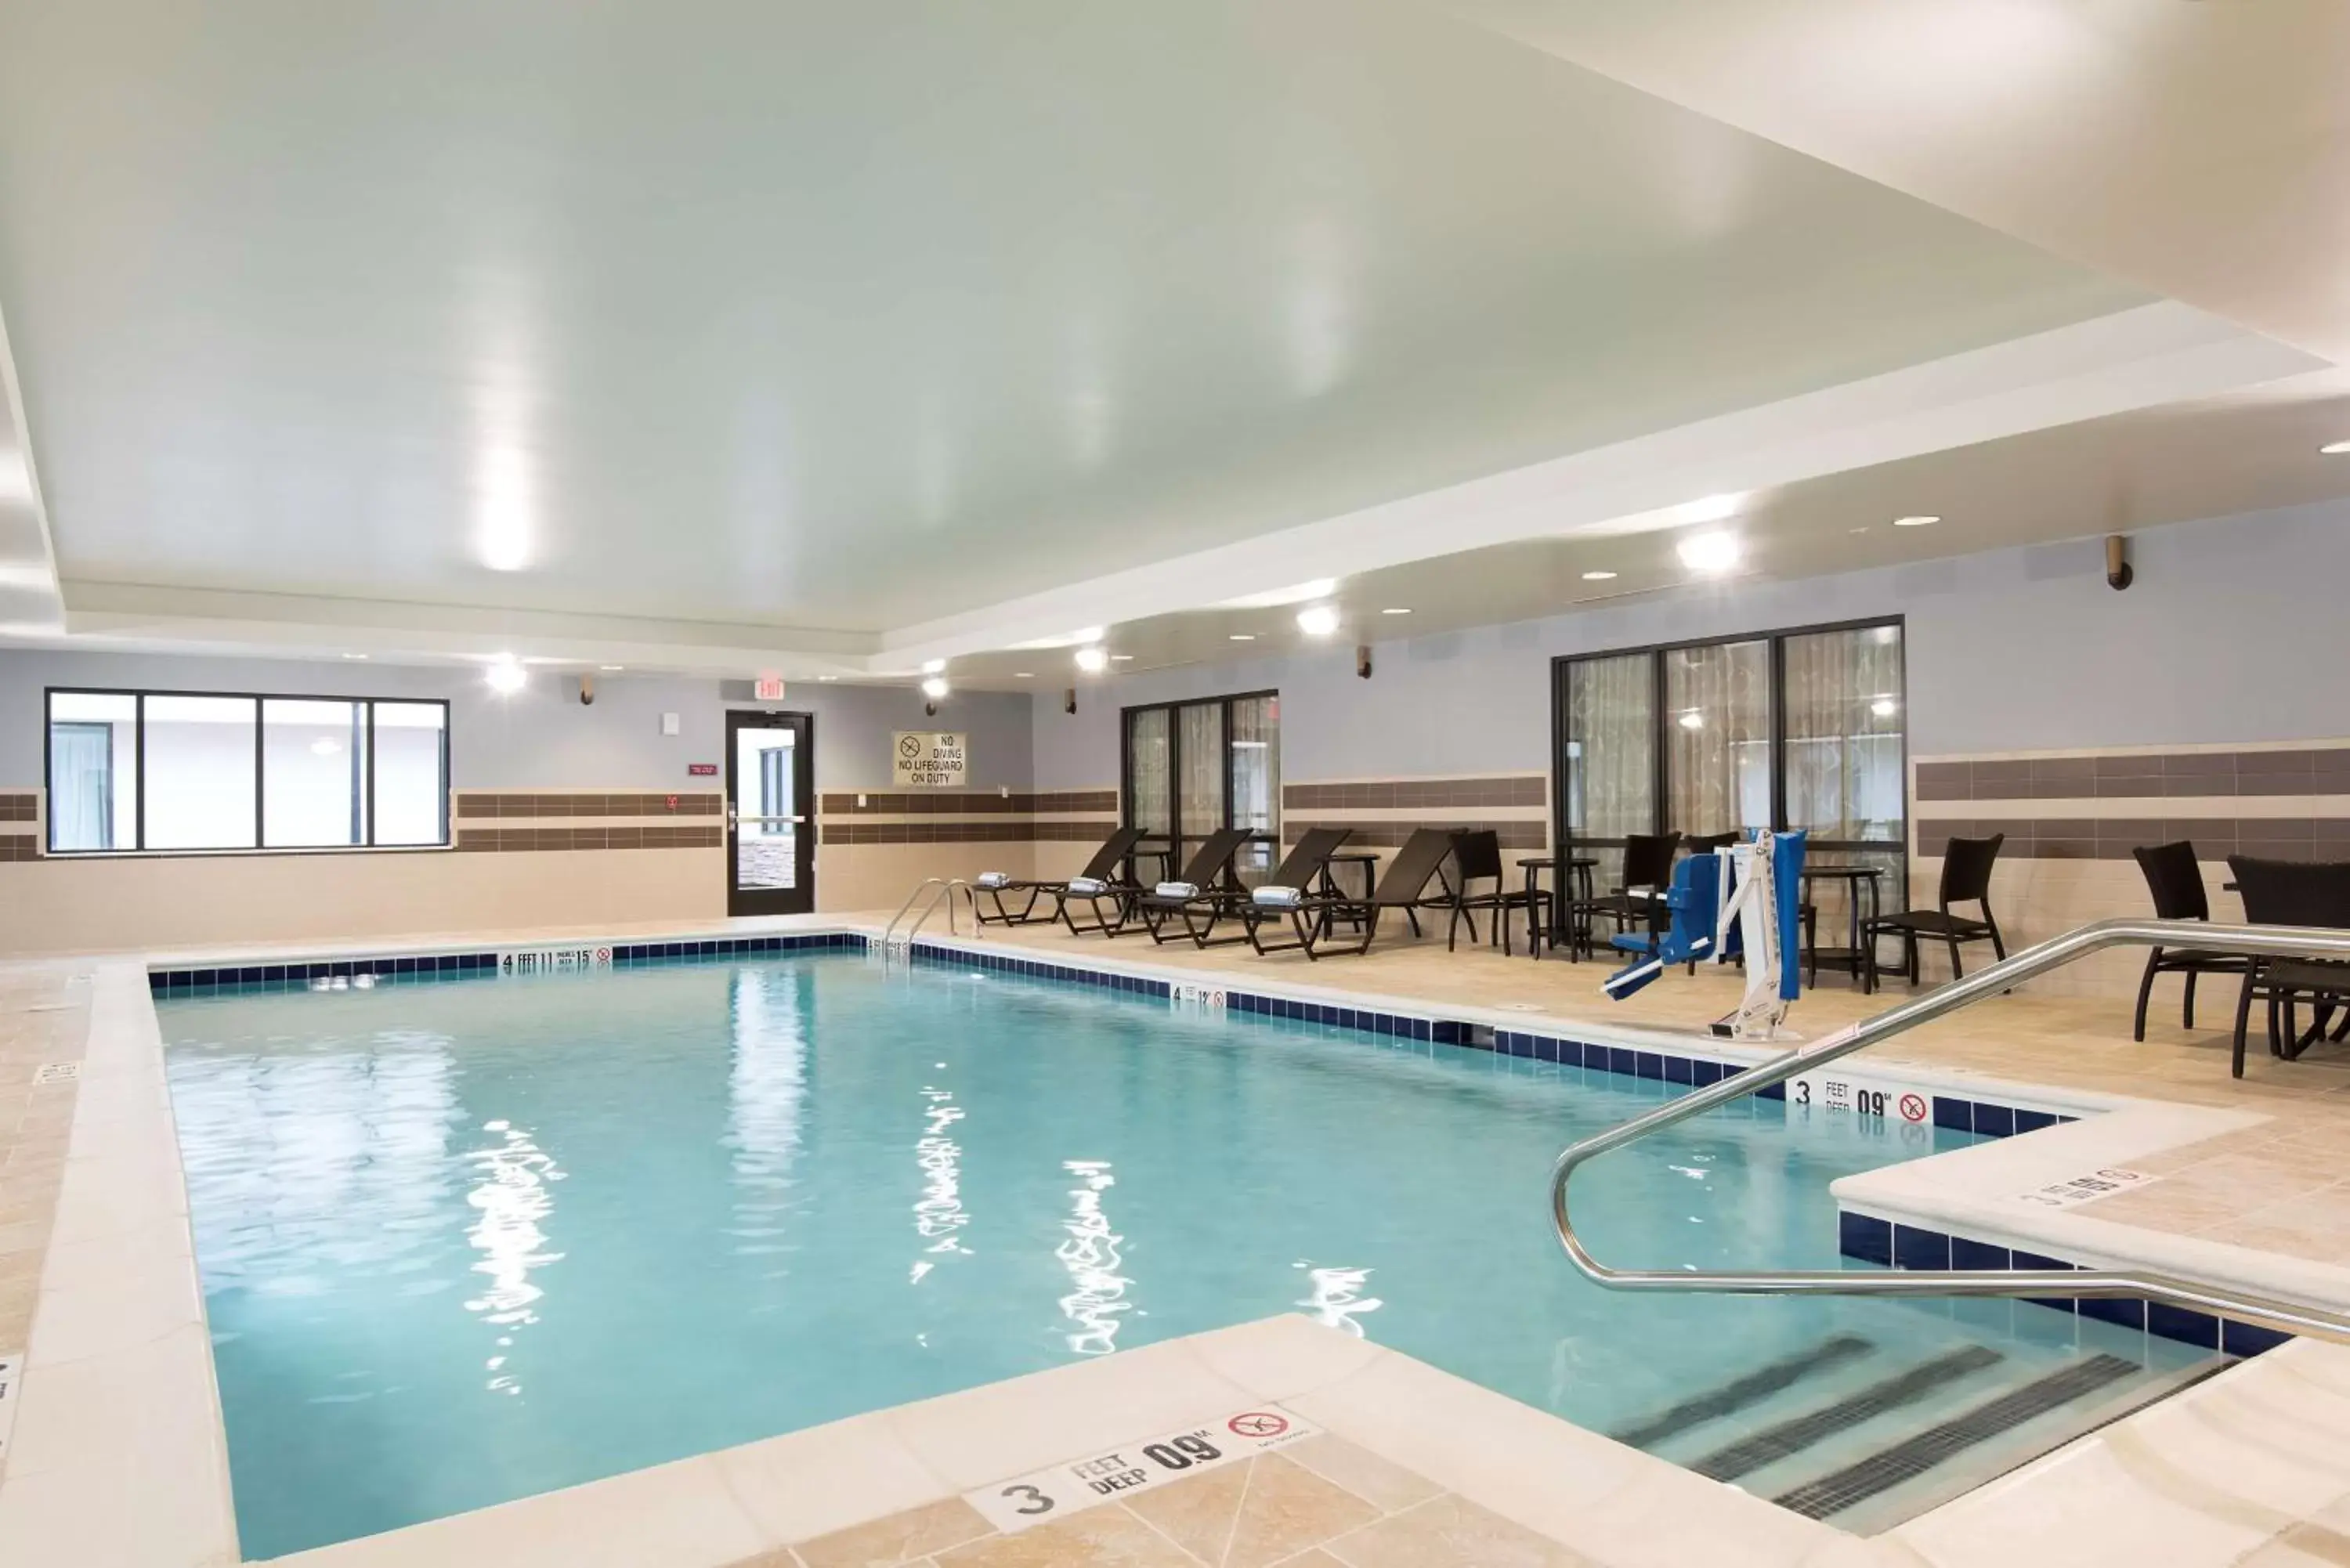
<point x="1102" y="870"/>
<point x="1298" y="878"/>
<point x="1208" y="886"/>
<point x="1403" y="887"/>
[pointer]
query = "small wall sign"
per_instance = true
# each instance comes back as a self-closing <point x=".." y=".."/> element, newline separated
<point x="702" y="770"/>
<point x="929" y="759"/>
<point x="768" y="689"/>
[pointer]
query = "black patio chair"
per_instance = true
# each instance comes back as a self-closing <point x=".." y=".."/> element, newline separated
<point x="2175" y="879"/>
<point x="1966" y="879"/>
<point x="2291" y="893"/>
<point x="1476" y="857"/>
<point x="1647" y="869"/>
<point x="1208" y="886"/>
<point x="1102" y="868"/>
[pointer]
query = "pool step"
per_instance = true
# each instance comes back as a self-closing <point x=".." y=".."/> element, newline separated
<point x="1863" y="1439"/>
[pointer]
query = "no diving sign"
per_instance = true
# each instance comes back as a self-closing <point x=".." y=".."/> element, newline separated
<point x="929" y="759"/>
<point x="1131" y="1468"/>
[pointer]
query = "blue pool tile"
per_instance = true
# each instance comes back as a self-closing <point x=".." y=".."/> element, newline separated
<point x="2128" y="1312"/>
<point x="1548" y="1049"/>
<point x="1704" y="1073"/>
<point x="1648" y="1064"/>
<point x="249" y="975"/>
<point x="1958" y="1115"/>
<point x="1916" y="1249"/>
<point x="1994" y="1121"/>
<point x="2181" y="1324"/>
<point x="1571" y="1053"/>
<point x="1622" y="1061"/>
<point x="1679" y="1070"/>
<point x="2022" y="1260"/>
<point x="1982" y="1255"/>
<point x="1864" y="1237"/>
<point x="2249" y="1339"/>
<point x="273" y="972"/>
<point x="1771" y="1091"/>
<point x="2033" y="1121"/>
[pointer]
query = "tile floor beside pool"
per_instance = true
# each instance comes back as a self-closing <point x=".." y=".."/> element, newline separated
<point x="1409" y="1465"/>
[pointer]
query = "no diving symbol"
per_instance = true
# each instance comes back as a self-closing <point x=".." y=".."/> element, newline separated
<point x="909" y="746"/>
<point x="1258" y="1424"/>
<point x="1913" y="1108"/>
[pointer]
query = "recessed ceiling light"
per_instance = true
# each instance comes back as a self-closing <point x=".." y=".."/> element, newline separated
<point x="1916" y="520"/>
<point x="610" y="668"/>
<point x="506" y="676"/>
<point x="1016" y="675"/>
<point x="1093" y="659"/>
<point x="1599" y="577"/>
<point x="1295" y="594"/>
<point x="1712" y="553"/>
<point x="934" y="666"/>
<point x="935" y="687"/>
<point x="353" y="656"/>
<point x="827" y="678"/>
<point x="1396" y="609"/>
<point x="1709" y="509"/>
<point x="2335" y="448"/>
<point x="1241" y="637"/>
<point x="1120" y="658"/>
<point x="1318" y="620"/>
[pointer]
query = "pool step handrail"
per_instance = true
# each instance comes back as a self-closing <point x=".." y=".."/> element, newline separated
<point x="942" y="890"/>
<point x="2195" y="1295"/>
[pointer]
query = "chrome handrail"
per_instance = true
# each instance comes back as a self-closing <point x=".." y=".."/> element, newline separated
<point x="946" y="887"/>
<point x="2196" y="1295"/>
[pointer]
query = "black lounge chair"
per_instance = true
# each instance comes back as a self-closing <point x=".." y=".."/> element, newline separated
<point x="1102" y="868"/>
<point x="1298" y="879"/>
<point x="2175" y="879"/>
<point x="1208" y="885"/>
<point x="1966" y="879"/>
<point x="1403" y="887"/>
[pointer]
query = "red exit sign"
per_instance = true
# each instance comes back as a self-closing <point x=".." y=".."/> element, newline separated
<point x="702" y="770"/>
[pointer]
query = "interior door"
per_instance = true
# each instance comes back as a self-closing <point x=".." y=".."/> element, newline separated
<point x="770" y="815"/>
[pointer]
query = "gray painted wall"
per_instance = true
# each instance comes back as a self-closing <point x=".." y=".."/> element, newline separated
<point x="542" y="737"/>
<point x="2228" y="636"/>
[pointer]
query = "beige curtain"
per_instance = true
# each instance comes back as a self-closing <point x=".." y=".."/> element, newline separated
<point x="1718" y="737"/>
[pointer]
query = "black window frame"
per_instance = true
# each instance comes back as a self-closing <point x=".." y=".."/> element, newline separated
<point x="1659" y="785"/>
<point x="260" y="776"/>
<point x="1175" y="839"/>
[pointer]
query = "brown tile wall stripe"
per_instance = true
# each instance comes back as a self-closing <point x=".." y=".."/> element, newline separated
<point x="2113" y="837"/>
<point x="964" y="803"/>
<point x="20" y="808"/>
<point x="1389" y="834"/>
<point x="473" y="804"/>
<point x="20" y="847"/>
<point x="648" y="837"/>
<point x="2316" y="771"/>
<point x="1409" y="795"/>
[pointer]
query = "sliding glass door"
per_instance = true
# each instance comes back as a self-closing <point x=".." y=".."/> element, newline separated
<point x="1194" y="768"/>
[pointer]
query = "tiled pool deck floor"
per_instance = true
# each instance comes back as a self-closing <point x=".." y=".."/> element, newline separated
<point x="1413" y="1465"/>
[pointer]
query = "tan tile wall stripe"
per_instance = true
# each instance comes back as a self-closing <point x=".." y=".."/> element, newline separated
<point x="648" y="837"/>
<point x="2113" y="837"/>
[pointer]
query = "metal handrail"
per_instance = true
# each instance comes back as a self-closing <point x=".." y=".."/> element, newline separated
<point x="946" y="887"/>
<point x="2196" y="1295"/>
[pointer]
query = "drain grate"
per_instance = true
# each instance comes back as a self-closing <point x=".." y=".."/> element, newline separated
<point x="1775" y="1443"/>
<point x="1913" y="1457"/>
<point x="1751" y="1389"/>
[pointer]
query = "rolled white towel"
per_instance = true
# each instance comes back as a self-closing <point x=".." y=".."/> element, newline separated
<point x="1270" y="897"/>
<point x="1177" y="890"/>
<point x="1087" y="886"/>
<point x="991" y="880"/>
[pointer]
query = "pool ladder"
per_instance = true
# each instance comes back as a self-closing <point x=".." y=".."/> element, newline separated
<point x="2170" y="1290"/>
<point x="939" y="890"/>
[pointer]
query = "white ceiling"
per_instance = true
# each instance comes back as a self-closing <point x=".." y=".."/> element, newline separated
<point x="833" y="338"/>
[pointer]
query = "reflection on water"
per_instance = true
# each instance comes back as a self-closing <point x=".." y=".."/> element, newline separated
<point x="939" y="1213"/>
<point x="765" y="1103"/>
<point x="1091" y="1256"/>
<point x="1337" y="1297"/>
<point x="511" y="1198"/>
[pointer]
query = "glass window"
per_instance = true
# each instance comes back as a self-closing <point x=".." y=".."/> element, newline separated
<point x="313" y="773"/>
<point x="181" y="771"/>
<point x="1845" y="735"/>
<point x="1718" y="739"/>
<point x="1194" y="769"/>
<point x="411" y="772"/>
<point x="93" y="771"/>
<point x="202" y="784"/>
<point x="1611" y="756"/>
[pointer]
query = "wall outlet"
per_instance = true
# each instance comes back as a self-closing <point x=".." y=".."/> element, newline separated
<point x="860" y="801"/>
<point x="671" y="724"/>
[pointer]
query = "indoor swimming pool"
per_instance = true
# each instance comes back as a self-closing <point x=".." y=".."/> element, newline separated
<point x="464" y="1241"/>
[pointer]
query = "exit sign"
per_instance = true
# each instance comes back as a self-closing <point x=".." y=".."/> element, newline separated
<point x="768" y="689"/>
<point x="702" y="770"/>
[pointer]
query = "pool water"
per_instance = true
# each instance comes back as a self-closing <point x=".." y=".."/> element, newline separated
<point x="465" y="1241"/>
